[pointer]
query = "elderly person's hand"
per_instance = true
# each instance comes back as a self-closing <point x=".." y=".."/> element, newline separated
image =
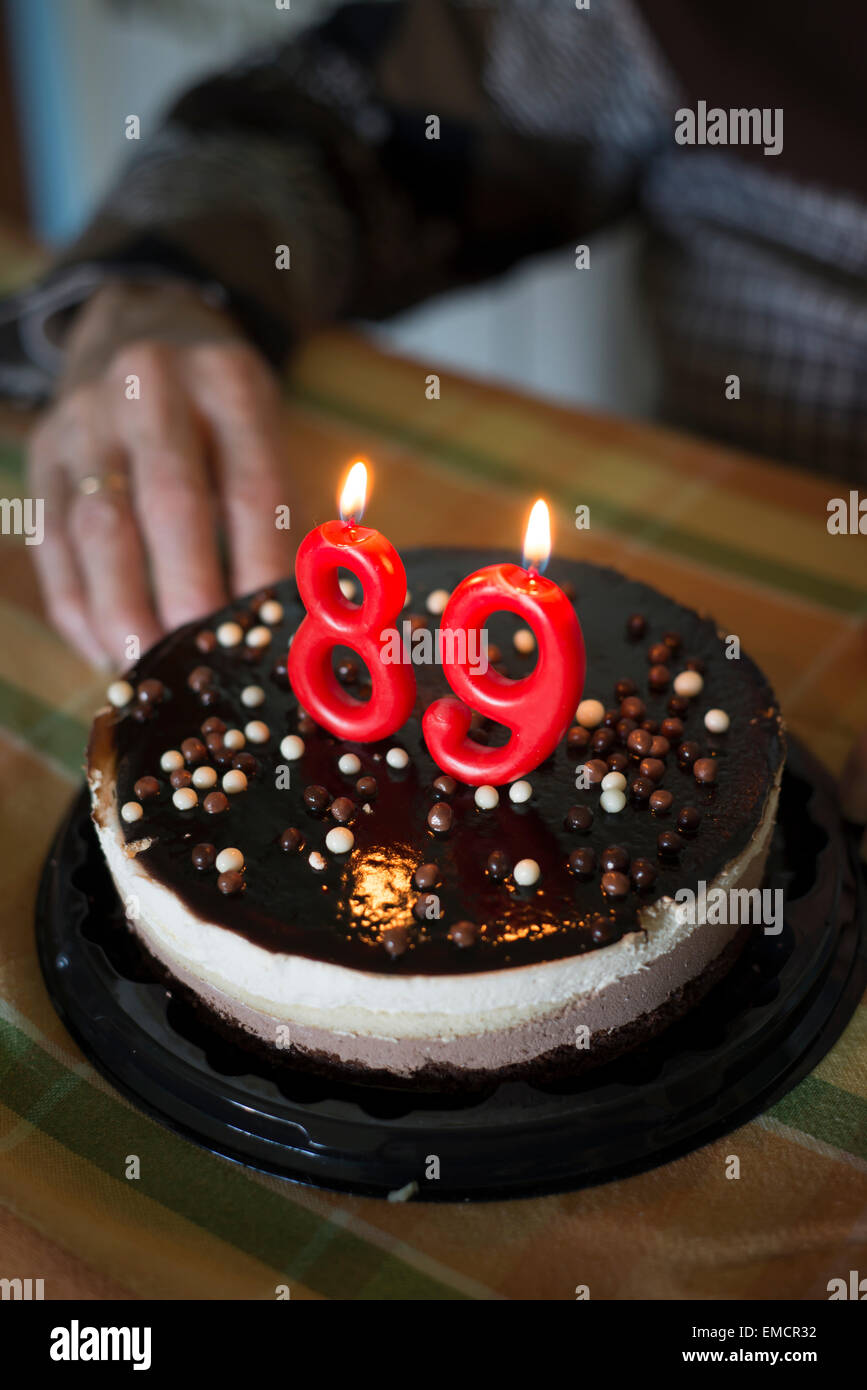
<point x="166" y="426"/>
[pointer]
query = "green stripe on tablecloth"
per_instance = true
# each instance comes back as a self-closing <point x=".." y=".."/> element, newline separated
<point x="636" y="525"/>
<point x="836" y="1117"/>
<point x="213" y="1194"/>
<point x="49" y="732"/>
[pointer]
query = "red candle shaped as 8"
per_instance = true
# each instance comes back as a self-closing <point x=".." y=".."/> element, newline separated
<point x="332" y="620"/>
<point x="537" y="708"/>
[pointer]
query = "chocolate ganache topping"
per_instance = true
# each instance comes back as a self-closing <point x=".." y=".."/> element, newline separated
<point x="427" y="886"/>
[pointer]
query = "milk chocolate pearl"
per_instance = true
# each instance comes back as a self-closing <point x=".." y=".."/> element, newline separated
<point x="343" y="810"/>
<point x="658" y="677"/>
<point x="617" y="762"/>
<point x="347" y="671"/>
<point x="215" y="803"/>
<point x="440" y="817"/>
<point x="180" y="778"/>
<point x="624" y="688"/>
<point x="650" y="725"/>
<point x="231" y="882"/>
<point x="659" y="747"/>
<point x="578" y="737"/>
<point x="695" y="663"/>
<point x="639" y="743"/>
<point x="494" y="653"/>
<point x="582" y="862"/>
<point x="206" y="641"/>
<point x="678" y="705"/>
<point x="601" y="931"/>
<point x="578" y="818"/>
<point x="200" y="678"/>
<point x="214" y="742"/>
<point x="212" y="725"/>
<point x="445" y="786"/>
<point x="687" y="753"/>
<point x="673" y="641"/>
<point x="658" y="654"/>
<point x="246" y="763"/>
<point x="615" y="885"/>
<point x="596" y="770"/>
<point x="426" y="876"/>
<point x="603" y="741"/>
<point x="146" y="788"/>
<point x="636" y="626"/>
<point x="317" y="799"/>
<point x="688" y="820"/>
<point x="643" y="874"/>
<point x="150" y="692"/>
<point x="653" y="768"/>
<point x="367" y="788"/>
<point x="633" y="708"/>
<point x="614" y="859"/>
<point x="672" y="729"/>
<point x="194" y="751"/>
<point x="395" y="941"/>
<point x="428" y="902"/>
<point x="464" y="934"/>
<point x="292" y="840"/>
<point x="704" y="770"/>
<point x="669" y="844"/>
<point x="610" y="718"/>
<point x="661" y="801"/>
<point x="204" y="856"/>
<point x="499" y="866"/>
<point x="624" y="728"/>
<point x="641" y="788"/>
<point x="306" y="724"/>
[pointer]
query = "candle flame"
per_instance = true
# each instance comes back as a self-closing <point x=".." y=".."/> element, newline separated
<point x="354" y="493"/>
<point x="537" y="538"/>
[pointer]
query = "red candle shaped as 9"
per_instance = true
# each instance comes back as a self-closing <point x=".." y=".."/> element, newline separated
<point x="333" y="620"/>
<point x="538" y="707"/>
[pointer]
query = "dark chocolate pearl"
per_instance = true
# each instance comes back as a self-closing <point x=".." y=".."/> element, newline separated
<point x="650" y="725"/>
<point x="347" y="671"/>
<point x="262" y="596"/>
<point x="445" y="786"/>
<point x="661" y="801"/>
<point x="669" y="844"/>
<point x="440" y="817"/>
<point x="603" y="741"/>
<point x="636" y="626"/>
<point x="141" y="713"/>
<point x="673" y="641"/>
<point x="426" y="908"/>
<point x="688" y="820"/>
<point x="367" y="788"/>
<point x="578" y="737"/>
<point x="200" y="678"/>
<point x="146" y="788"/>
<point x="654" y="768"/>
<point x="209" y="696"/>
<point x="639" y="743"/>
<point x="280" y="674"/>
<point x="194" y="751"/>
<point x="614" y="859"/>
<point x="206" y="641"/>
<point x="212" y="725"/>
<point x="231" y="882"/>
<point x="672" y="729"/>
<point x="246" y="763"/>
<point x="578" y="818"/>
<point x="494" y="653"/>
<point x="417" y="622"/>
<point x="305" y="724"/>
<point x="499" y="866"/>
<point x="292" y="841"/>
<point x="602" y="931"/>
<point x="582" y="862"/>
<point x="610" y="718"/>
<point x="596" y="770"/>
<point x="215" y="803"/>
<point x="695" y="663"/>
<point x="180" y="778"/>
<point x="617" y="762"/>
<point x="464" y="934"/>
<point x="687" y="753"/>
<point x="615" y="885"/>
<point x="395" y="941"/>
<point x="633" y="708"/>
<point x="678" y="705"/>
<point x="641" y="788"/>
<point x="624" y="728"/>
<point x="426" y="876"/>
<point x="214" y="743"/>
<point x="343" y="810"/>
<point x="704" y="769"/>
<point x="643" y="874"/>
<point x="316" y="799"/>
<point x="150" y="692"/>
<point x="624" y="688"/>
<point x="659" y="747"/>
<point x="569" y="590"/>
<point x="204" y="856"/>
<point x="658" y="654"/>
<point x="223" y="757"/>
<point x="658" y="677"/>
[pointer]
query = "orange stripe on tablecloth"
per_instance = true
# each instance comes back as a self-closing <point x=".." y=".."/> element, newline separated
<point x="37" y="1256"/>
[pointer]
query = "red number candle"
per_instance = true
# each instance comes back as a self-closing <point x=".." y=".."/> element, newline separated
<point x="332" y="620"/>
<point x="537" y="708"/>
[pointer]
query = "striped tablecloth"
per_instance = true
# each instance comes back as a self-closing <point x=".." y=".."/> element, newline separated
<point x="745" y="540"/>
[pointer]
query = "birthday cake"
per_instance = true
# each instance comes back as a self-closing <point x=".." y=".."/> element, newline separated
<point x="346" y="905"/>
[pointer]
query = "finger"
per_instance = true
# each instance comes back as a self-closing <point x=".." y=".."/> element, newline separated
<point x="171" y="487"/>
<point x="239" y="399"/>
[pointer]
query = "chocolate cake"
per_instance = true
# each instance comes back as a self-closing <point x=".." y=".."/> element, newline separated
<point x="346" y="905"/>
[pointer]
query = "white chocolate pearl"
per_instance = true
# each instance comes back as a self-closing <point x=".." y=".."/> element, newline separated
<point x="119" y="693"/>
<point x="229" y="861"/>
<point x="436" y="601"/>
<point x="526" y="872"/>
<point x="171" y="760"/>
<point x="612" y="800"/>
<point x="349" y="764"/>
<point x="317" y="861"/>
<point x="234" y="740"/>
<point x="397" y="757"/>
<point x="486" y="797"/>
<point x="234" y="781"/>
<point x="205" y="777"/>
<point x="271" y="611"/>
<point x="524" y="641"/>
<point x="229" y="634"/>
<point x="348" y="587"/>
<point x="590" y="713"/>
<point x="408" y="599"/>
<point x="185" y="798"/>
<point x="339" y="840"/>
<point x="258" y="637"/>
<point x="613" y="782"/>
<point x="130" y="811"/>
<point x="252" y="696"/>
<point x="688" y="683"/>
<point x="291" y="748"/>
<point x="257" y="731"/>
<point x="716" y="721"/>
<point x="519" y="792"/>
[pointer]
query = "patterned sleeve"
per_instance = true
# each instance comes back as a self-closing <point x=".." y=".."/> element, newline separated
<point x="395" y="151"/>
